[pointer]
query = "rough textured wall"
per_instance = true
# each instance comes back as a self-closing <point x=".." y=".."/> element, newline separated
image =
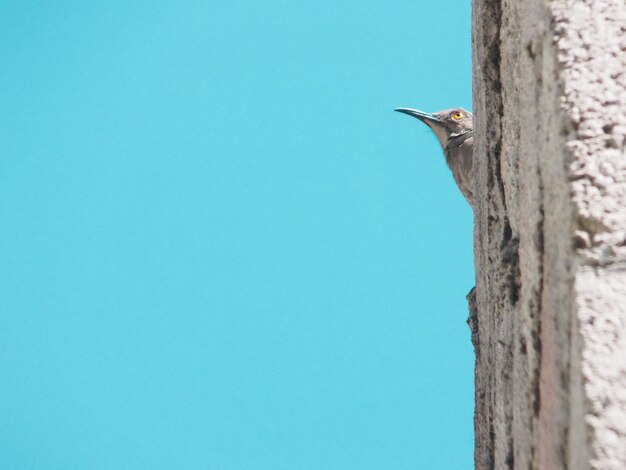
<point x="549" y="313"/>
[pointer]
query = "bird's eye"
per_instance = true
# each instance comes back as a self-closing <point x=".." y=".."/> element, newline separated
<point x="456" y="116"/>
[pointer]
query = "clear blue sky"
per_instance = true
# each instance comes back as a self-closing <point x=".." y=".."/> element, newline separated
<point x="221" y="248"/>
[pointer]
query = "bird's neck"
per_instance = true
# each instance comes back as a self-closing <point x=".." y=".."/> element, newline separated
<point x="456" y="139"/>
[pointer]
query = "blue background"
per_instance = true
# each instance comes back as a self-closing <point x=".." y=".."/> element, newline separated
<point x="221" y="248"/>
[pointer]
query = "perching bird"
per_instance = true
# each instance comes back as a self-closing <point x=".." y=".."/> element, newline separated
<point x="455" y="131"/>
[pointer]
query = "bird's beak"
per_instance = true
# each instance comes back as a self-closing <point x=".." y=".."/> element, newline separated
<point x="426" y="118"/>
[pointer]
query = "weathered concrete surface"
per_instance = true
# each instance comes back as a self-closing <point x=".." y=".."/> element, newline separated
<point x="550" y="239"/>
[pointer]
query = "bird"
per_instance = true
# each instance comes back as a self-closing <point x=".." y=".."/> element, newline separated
<point x="455" y="131"/>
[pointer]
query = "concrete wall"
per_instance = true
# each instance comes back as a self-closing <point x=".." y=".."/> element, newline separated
<point x="549" y="319"/>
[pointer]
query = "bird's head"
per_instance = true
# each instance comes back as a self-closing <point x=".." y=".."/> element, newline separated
<point x="444" y="123"/>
